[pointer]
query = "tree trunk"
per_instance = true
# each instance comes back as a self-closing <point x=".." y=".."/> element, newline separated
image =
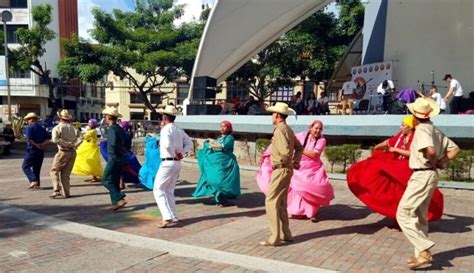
<point x="146" y="101"/>
<point x="52" y="99"/>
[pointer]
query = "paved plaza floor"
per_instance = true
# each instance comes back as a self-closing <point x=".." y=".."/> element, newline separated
<point x="82" y="234"/>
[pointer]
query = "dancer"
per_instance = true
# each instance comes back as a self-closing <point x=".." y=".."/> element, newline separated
<point x="115" y="155"/>
<point x="286" y="156"/>
<point x="131" y="166"/>
<point x="149" y="169"/>
<point x="36" y="139"/>
<point x="174" y="144"/>
<point x="380" y="180"/>
<point x="430" y="150"/>
<point x="219" y="168"/>
<point x="68" y="138"/>
<point x="88" y="158"/>
<point x="309" y="188"/>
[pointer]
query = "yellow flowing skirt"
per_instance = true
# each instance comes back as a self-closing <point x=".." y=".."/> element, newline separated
<point x="88" y="160"/>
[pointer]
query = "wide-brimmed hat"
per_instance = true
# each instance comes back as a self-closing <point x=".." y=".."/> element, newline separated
<point x="111" y="111"/>
<point x="424" y="108"/>
<point x="281" y="108"/>
<point x="64" y="114"/>
<point x="169" y="110"/>
<point x="30" y="115"/>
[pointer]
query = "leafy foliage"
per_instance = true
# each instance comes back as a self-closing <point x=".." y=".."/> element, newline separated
<point x="144" y="41"/>
<point x="32" y="47"/>
<point x="459" y="169"/>
<point x="344" y="155"/>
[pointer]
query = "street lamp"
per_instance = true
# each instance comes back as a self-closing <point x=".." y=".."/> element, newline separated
<point x="7" y="17"/>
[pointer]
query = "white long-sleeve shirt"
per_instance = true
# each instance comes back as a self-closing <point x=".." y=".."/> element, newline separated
<point x="174" y="140"/>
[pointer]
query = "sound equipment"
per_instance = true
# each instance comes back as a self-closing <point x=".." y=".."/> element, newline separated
<point x="204" y="88"/>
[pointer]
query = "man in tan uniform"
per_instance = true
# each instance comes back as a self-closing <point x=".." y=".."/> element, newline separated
<point x="286" y="156"/>
<point x="67" y="137"/>
<point x="430" y="149"/>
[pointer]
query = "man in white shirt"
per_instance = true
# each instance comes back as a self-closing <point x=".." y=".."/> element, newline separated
<point x="386" y="88"/>
<point x="174" y="144"/>
<point x="456" y="88"/>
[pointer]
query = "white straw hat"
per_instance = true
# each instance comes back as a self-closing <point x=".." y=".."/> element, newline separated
<point x="281" y="108"/>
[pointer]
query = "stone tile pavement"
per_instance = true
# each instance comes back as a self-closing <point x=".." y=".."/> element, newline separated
<point x="348" y="236"/>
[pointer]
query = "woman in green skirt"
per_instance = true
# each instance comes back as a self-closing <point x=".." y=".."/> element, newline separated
<point x="220" y="175"/>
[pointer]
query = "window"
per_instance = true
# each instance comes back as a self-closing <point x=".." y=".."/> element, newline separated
<point x="19" y="4"/>
<point x="238" y="90"/>
<point x="137" y="116"/>
<point x="282" y="94"/>
<point x="155" y="98"/>
<point x="136" y="98"/>
<point x="12" y="38"/>
<point x="183" y="91"/>
<point x="21" y="74"/>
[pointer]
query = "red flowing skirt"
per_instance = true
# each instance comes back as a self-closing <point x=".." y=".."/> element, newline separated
<point x="380" y="181"/>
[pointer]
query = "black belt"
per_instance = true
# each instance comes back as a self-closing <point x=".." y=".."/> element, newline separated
<point x="169" y="159"/>
<point x="424" y="169"/>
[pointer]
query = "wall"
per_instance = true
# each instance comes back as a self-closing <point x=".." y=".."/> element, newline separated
<point x="426" y="35"/>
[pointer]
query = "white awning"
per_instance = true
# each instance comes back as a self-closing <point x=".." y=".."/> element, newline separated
<point x="238" y="29"/>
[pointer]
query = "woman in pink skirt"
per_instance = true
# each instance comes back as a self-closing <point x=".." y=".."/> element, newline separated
<point x="310" y="187"/>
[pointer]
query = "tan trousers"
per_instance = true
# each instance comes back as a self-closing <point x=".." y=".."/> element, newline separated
<point x="61" y="170"/>
<point x="276" y="203"/>
<point x="412" y="212"/>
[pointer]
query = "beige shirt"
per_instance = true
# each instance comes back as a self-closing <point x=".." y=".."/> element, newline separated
<point x="66" y="136"/>
<point x="286" y="149"/>
<point x="427" y="135"/>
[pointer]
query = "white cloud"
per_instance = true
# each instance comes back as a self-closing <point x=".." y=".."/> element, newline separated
<point x="86" y="20"/>
<point x="192" y="10"/>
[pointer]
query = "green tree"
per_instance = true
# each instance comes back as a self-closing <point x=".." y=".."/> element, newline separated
<point x="144" y="40"/>
<point x="32" y="47"/>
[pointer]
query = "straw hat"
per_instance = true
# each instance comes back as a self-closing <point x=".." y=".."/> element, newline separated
<point x="281" y="108"/>
<point x="64" y="114"/>
<point x="31" y="115"/>
<point x="111" y="111"/>
<point x="424" y="108"/>
<point x="169" y="110"/>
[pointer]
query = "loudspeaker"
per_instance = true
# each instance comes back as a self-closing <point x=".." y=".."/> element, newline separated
<point x="204" y="88"/>
<point x="203" y="109"/>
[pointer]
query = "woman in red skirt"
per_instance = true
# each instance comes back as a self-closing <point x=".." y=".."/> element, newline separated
<point x="380" y="180"/>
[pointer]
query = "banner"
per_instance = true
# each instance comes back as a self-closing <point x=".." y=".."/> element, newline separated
<point x="3" y="75"/>
<point x="367" y="78"/>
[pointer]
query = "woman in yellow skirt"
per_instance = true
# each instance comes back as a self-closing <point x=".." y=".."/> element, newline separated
<point x="88" y="155"/>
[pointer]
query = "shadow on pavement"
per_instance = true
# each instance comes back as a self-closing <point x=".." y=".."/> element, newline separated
<point x="343" y="212"/>
<point x="443" y="259"/>
<point x="455" y="224"/>
<point x="371" y="228"/>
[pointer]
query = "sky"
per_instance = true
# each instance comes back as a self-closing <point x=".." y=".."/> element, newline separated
<point x="191" y="10"/>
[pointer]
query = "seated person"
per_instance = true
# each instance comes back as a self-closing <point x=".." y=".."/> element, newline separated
<point x="323" y="104"/>
<point x="386" y="88"/>
<point x="348" y="97"/>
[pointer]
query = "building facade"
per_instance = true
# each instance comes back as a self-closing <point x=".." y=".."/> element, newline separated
<point x="28" y="93"/>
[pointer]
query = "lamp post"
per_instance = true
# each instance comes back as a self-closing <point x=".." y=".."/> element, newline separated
<point x="7" y="17"/>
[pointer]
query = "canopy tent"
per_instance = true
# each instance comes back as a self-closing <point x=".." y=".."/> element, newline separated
<point x="237" y="30"/>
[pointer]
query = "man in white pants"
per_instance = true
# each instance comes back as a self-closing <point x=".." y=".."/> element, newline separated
<point x="174" y="143"/>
